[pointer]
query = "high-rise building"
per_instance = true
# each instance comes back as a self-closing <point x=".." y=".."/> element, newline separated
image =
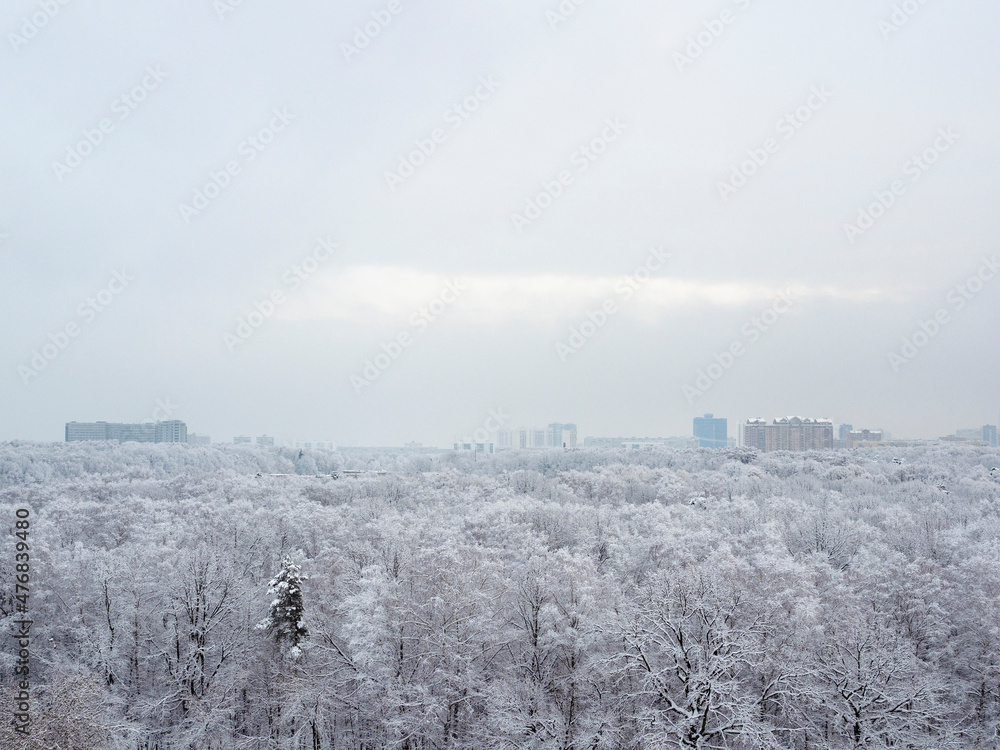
<point x="86" y="431"/>
<point x="844" y="430"/>
<point x="569" y="441"/>
<point x="856" y="438"/>
<point x="195" y="439"/>
<point x="265" y="440"/>
<point x="986" y="434"/>
<point x="990" y="435"/>
<point x="788" y="434"/>
<point x="242" y="440"/>
<point x="555" y="435"/>
<point x="170" y="431"/>
<point x="711" y="431"/>
<point x="559" y="435"/>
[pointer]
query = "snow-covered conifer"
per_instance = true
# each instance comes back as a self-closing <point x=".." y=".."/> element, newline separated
<point x="285" y="620"/>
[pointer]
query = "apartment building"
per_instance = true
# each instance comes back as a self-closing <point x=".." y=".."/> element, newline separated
<point x="788" y="434"/>
<point x="170" y="431"/>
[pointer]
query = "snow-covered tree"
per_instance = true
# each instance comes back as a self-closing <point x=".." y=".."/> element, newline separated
<point x="285" y="620"/>
<point x="587" y="600"/>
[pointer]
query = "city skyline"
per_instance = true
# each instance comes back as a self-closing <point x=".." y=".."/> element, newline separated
<point x="708" y="431"/>
<point x="676" y="423"/>
<point x="635" y="239"/>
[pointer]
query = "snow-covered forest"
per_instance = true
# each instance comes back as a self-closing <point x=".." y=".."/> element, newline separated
<point x="574" y="601"/>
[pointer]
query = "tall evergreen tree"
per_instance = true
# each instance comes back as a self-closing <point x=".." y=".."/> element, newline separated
<point x="285" y="620"/>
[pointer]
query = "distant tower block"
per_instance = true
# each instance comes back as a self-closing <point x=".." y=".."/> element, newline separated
<point x="171" y="431"/>
<point x="711" y="432"/>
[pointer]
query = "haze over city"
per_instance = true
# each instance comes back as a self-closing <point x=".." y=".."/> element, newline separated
<point x="160" y="190"/>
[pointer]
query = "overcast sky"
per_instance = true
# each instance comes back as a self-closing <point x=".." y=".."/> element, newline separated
<point x="571" y="162"/>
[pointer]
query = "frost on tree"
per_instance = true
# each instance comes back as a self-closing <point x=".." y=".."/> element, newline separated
<point x="285" y="620"/>
<point x="588" y="600"/>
